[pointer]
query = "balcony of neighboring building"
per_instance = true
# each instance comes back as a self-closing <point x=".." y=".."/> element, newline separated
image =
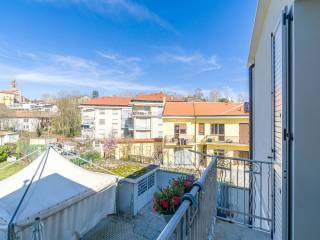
<point x="179" y="140"/>
<point x="141" y="113"/>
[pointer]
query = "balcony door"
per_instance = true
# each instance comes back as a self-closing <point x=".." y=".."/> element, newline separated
<point x="180" y="129"/>
<point x="280" y="125"/>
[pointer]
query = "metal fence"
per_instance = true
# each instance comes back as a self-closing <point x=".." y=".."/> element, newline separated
<point x="233" y="189"/>
<point x="244" y="192"/>
<point x="195" y="217"/>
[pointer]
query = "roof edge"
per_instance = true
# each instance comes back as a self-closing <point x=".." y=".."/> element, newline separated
<point x="261" y="13"/>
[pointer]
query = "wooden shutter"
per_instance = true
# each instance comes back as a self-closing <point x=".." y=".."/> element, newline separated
<point x="201" y="129"/>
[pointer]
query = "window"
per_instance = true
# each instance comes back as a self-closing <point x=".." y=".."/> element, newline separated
<point x="102" y="121"/>
<point x="201" y="129"/>
<point x="218" y="152"/>
<point x="217" y="129"/>
<point x="180" y="129"/>
<point x="102" y="112"/>
<point x="114" y="112"/>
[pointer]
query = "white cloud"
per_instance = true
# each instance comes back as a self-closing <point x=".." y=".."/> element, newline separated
<point x="195" y="60"/>
<point x="116" y="75"/>
<point x="113" y="7"/>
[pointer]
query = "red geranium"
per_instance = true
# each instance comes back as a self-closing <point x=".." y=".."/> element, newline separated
<point x="168" y="200"/>
<point x="176" y="200"/>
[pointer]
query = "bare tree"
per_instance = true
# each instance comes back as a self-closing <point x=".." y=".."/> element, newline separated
<point x="109" y="146"/>
<point x="215" y="95"/>
<point x="67" y="121"/>
<point x="240" y="97"/>
<point x="198" y="94"/>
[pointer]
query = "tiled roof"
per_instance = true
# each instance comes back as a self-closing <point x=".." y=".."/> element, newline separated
<point x="108" y="101"/>
<point x="26" y="114"/>
<point x="8" y="113"/>
<point x="203" y="109"/>
<point x="153" y="97"/>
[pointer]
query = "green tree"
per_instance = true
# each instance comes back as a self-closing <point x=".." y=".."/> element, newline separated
<point x="95" y="94"/>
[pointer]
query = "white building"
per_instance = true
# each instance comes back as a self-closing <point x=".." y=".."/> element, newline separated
<point x="284" y="71"/>
<point x="23" y="120"/>
<point x="106" y="116"/>
<point x="147" y="115"/>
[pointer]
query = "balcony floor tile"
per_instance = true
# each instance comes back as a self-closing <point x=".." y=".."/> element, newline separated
<point x="231" y="231"/>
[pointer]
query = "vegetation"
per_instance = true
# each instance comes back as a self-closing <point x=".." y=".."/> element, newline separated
<point x="168" y="200"/>
<point x="95" y="94"/>
<point x="67" y="122"/>
<point x="8" y="169"/>
<point x="7" y="151"/>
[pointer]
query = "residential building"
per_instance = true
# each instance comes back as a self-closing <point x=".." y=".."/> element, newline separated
<point x="147" y="115"/>
<point x="284" y="80"/>
<point x="209" y="127"/>
<point x="6" y="98"/>
<point x="45" y="107"/>
<point x="24" y="120"/>
<point x="105" y="117"/>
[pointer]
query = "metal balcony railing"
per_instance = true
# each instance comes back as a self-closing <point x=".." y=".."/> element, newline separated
<point x="141" y="113"/>
<point x="233" y="189"/>
<point x="179" y="140"/>
<point x="226" y="139"/>
<point x="244" y="192"/>
<point x="195" y="217"/>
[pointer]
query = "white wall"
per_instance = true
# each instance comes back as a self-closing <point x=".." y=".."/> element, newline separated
<point x="306" y="119"/>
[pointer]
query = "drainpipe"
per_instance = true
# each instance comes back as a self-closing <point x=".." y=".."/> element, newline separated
<point x="251" y="200"/>
<point x="195" y="132"/>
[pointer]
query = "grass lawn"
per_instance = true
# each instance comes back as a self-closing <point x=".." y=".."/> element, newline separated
<point x="10" y="170"/>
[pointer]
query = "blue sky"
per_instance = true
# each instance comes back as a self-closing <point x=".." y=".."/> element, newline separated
<point x="125" y="46"/>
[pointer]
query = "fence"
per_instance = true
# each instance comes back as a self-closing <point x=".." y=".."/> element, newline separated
<point x="233" y="189"/>
<point x="244" y="192"/>
<point x="195" y="216"/>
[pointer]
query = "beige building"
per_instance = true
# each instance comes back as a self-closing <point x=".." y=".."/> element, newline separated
<point x="147" y="115"/>
<point x="208" y="127"/>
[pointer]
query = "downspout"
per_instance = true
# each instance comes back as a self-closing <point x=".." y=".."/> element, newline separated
<point x="195" y="131"/>
<point x="251" y="186"/>
<point x="251" y="111"/>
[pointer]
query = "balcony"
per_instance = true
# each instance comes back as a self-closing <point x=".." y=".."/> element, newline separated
<point x="141" y="113"/>
<point x="231" y="200"/>
<point x="214" y="139"/>
<point x="140" y="127"/>
<point x="181" y="140"/>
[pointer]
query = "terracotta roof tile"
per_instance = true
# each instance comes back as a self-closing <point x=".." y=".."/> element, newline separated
<point x="153" y="97"/>
<point x="203" y="109"/>
<point x="109" y="101"/>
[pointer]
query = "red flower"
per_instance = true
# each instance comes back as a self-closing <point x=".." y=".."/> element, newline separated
<point x="165" y="204"/>
<point x="176" y="200"/>
<point x="176" y="183"/>
<point x="186" y="183"/>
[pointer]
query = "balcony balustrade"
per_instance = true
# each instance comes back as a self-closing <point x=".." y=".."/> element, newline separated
<point x="226" y="139"/>
<point x="141" y="113"/>
<point x="179" y="140"/>
<point x="235" y="190"/>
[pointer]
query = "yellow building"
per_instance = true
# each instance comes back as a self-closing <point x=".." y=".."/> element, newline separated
<point x="6" y="97"/>
<point x="209" y="127"/>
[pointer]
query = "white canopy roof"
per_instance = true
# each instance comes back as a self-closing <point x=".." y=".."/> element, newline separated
<point x="57" y="184"/>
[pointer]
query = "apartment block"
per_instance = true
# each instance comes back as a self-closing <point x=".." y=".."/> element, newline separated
<point x="207" y="127"/>
<point x="105" y="117"/>
<point x="147" y="115"/>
